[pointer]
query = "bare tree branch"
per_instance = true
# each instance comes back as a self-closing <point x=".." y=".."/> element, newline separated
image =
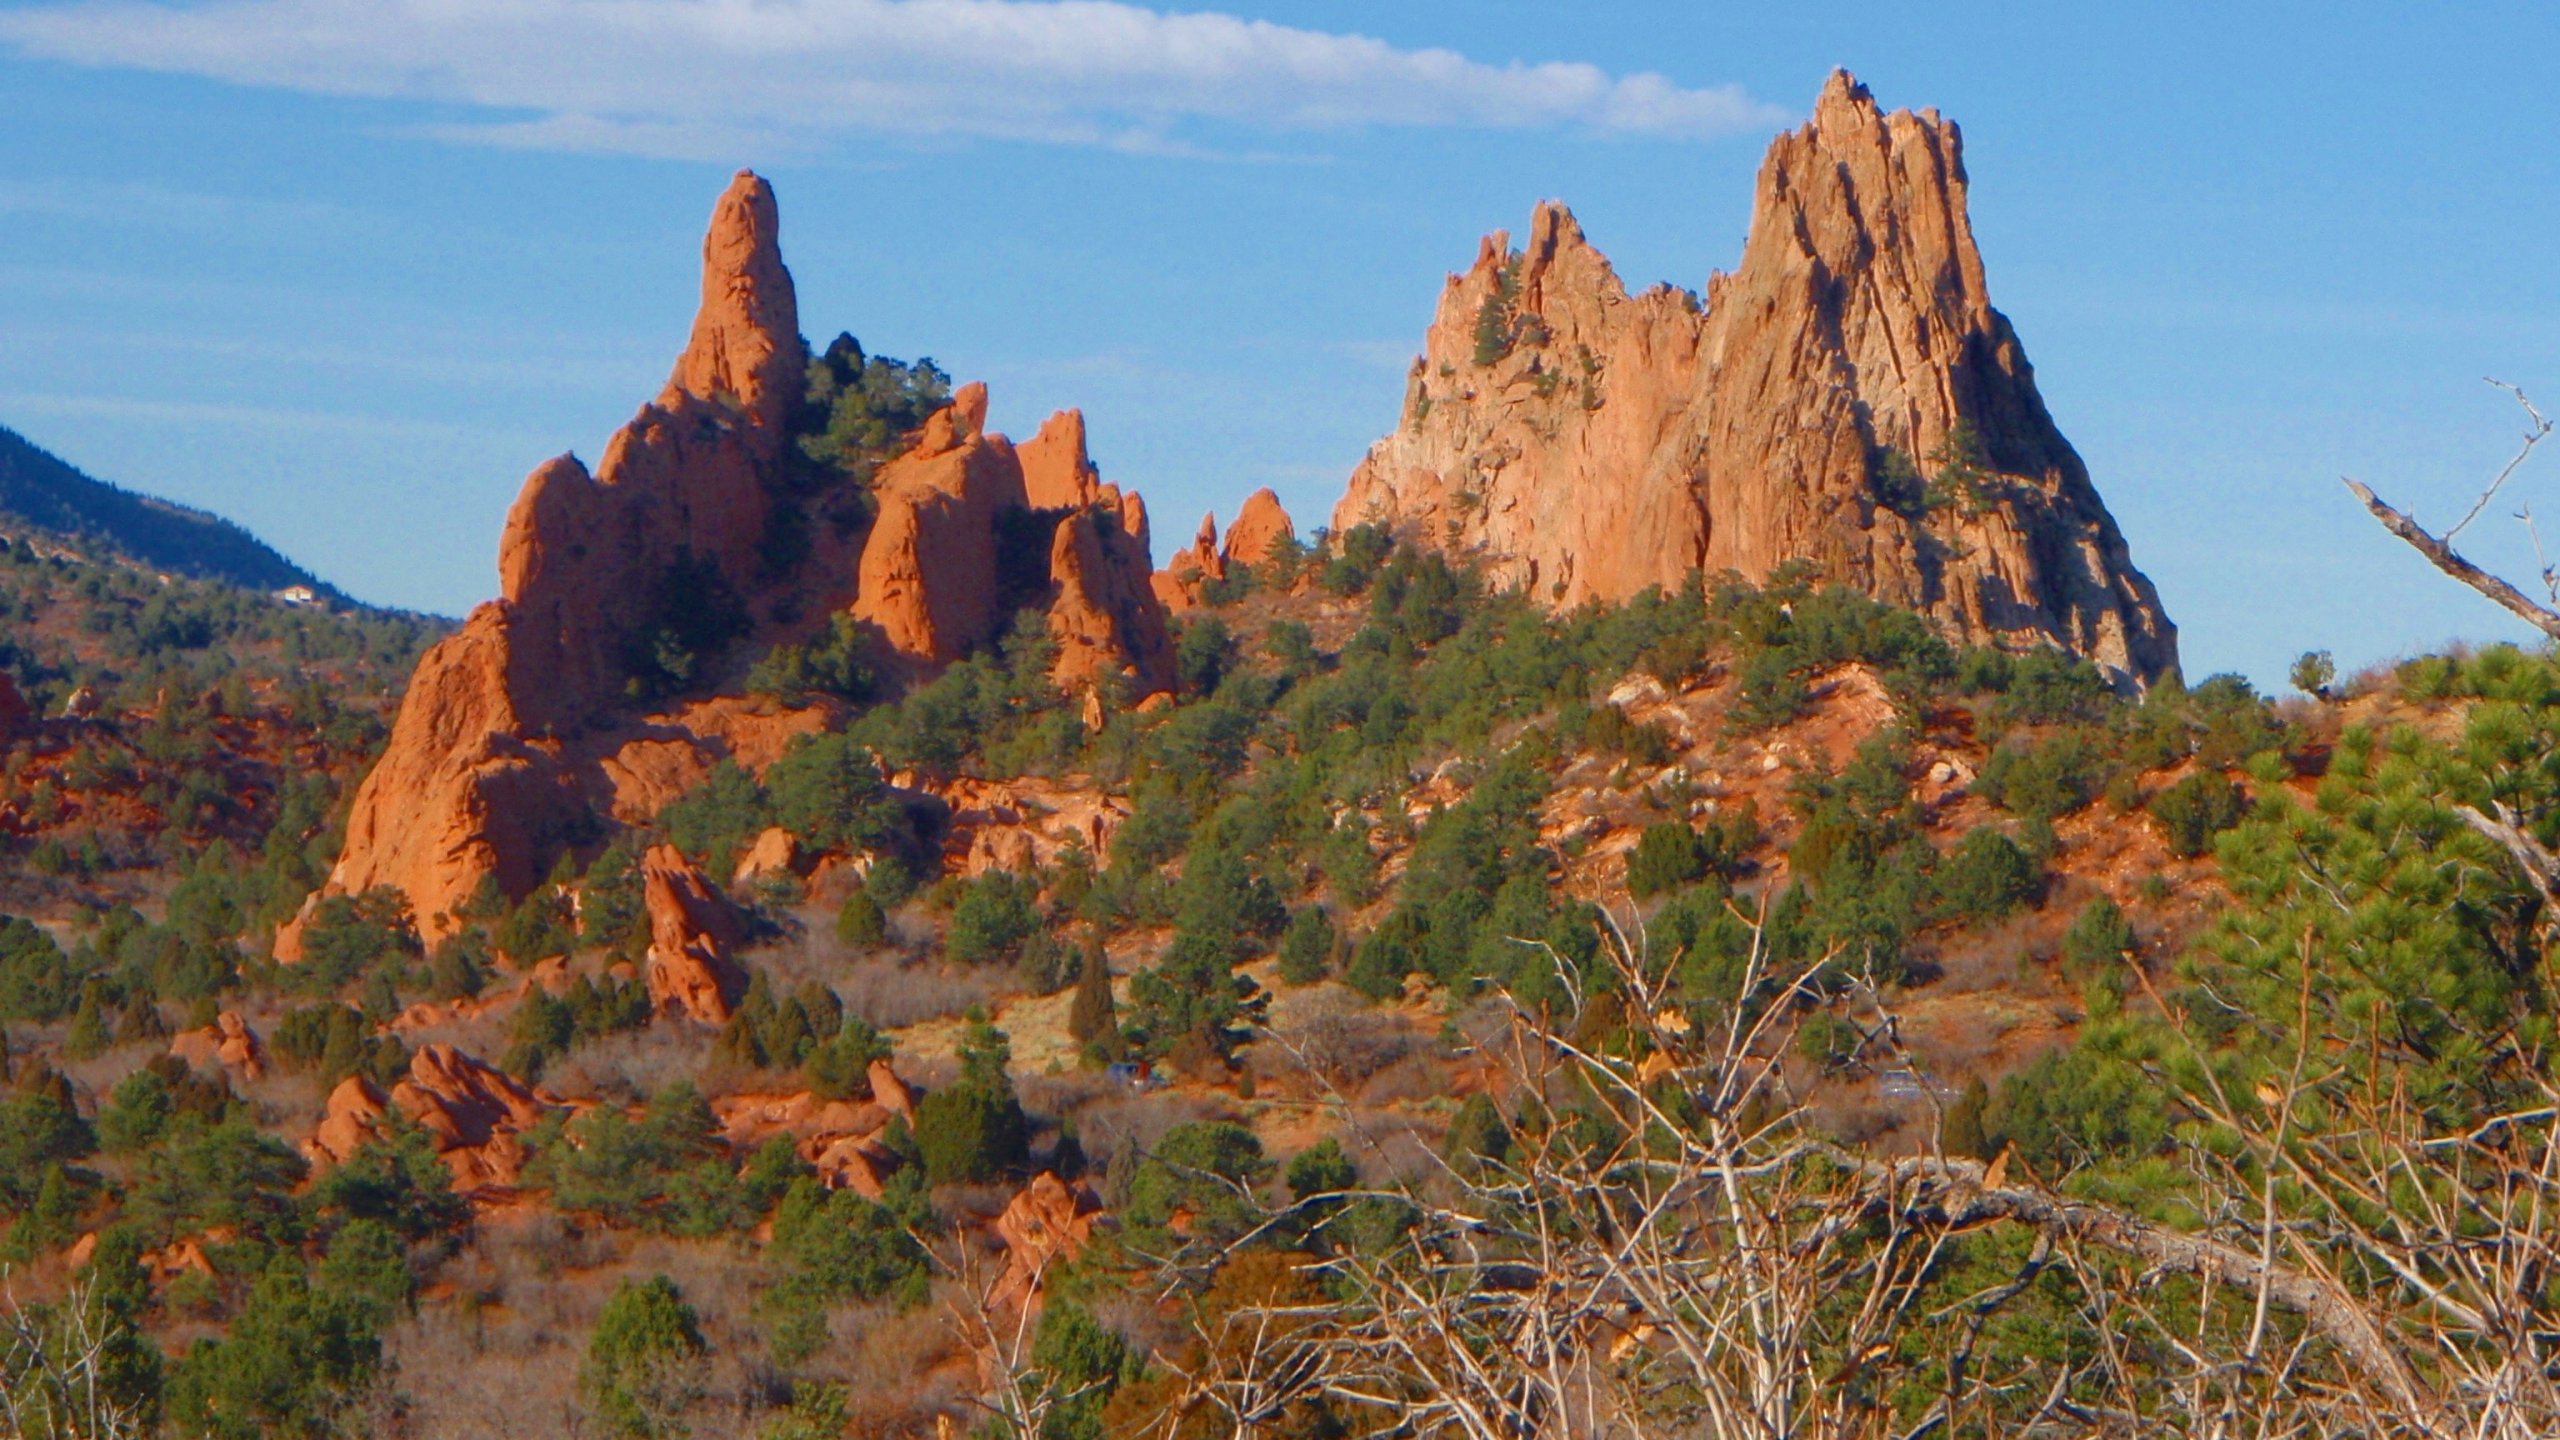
<point x="2537" y="428"/>
<point x="2440" y="552"/>
<point x="2443" y="558"/>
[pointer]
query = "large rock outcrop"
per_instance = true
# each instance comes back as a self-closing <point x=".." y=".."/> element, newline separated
<point x="945" y="568"/>
<point x="472" y="1112"/>
<point x="1584" y="443"/>
<point x="553" y="711"/>
<point x="692" y="934"/>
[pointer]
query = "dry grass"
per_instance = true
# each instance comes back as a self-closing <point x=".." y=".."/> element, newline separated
<point x="896" y="994"/>
<point x="495" y="1353"/>
<point x="629" y="1066"/>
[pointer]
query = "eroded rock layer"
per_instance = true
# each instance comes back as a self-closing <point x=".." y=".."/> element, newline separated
<point x="1847" y="397"/>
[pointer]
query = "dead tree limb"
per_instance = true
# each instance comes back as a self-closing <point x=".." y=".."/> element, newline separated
<point x="2503" y="827"/>
<point x="1950" y="1192"/>
<point x="2443" y="558"/>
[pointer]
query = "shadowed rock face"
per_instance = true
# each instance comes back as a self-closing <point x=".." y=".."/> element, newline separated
<point x="1584" y="443"/>
<point x="523" y="731"/>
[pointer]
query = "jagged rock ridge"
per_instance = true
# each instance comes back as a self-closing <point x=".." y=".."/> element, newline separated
<point x="1585" y="443"/>
<point x="523" y="732"/>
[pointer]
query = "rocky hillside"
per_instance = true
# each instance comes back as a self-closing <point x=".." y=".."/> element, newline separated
<point x="146" y="718"/>
<point x="840" y="947"/>
<point x="1846" y="398"/>
<point x="43" y="499"/>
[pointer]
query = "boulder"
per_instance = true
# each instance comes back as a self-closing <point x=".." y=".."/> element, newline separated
<point x="891" y="1092"/>
<point x="843" y="1140"/>
<point x="1026" y="823"/>
<point x="464" y="1101"/>
<point x="228" y="1044"/>
<point x="775" y="852"/>
<point x="1584" y="443"/>
<point x="352" y="1117"/>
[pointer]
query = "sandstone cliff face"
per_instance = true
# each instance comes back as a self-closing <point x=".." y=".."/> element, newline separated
<point x="525" y="728"/>
<point x="945" y="568"/>
<point x="1584" y="443"/>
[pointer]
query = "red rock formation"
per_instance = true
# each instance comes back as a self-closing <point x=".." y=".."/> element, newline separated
<point x="890" y="1091"/>
<point x="352" y="1117"/>
<point x="692" y="931"/>
<point x="1057" y="471"/>
<point x="1584" y="443"/>
<point x="459" y="794"/>
<point x="1047" y="1223"/>
<point x="1022" y="823"/>
<point x="228" y="1044"/>
<point x="844" y="1140"/>
<point x="1259" y="526"/>
<point x="929" y="576"/>
<point x="521" y="727"/>
<point x="746" y="336"/>
<point x="774" y="852"/>
<point x="1183" y="577"/>
<point x="934" y="578"/>
<point x="1105" y="617"/>
<point x="473" y="1112"/>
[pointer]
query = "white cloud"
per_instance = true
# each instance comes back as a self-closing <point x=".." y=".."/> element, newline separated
<point x="696" y="77"/>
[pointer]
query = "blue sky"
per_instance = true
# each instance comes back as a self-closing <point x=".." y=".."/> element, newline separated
<point x="346" y="269"/>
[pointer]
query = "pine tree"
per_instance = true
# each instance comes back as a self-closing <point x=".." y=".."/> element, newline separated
<point x="1962" y="1133"/>
<point x="1094" y="1019"/>
<point x="645" y="1361"/>
<point x="861" y="922"/>
<point x="88" y="1034"/>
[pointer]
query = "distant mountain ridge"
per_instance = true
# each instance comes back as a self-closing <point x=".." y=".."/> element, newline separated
<point x="44" y="491"/>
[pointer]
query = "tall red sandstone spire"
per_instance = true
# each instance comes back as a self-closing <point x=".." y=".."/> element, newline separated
<point x="746" y="337"/>
<point x="520" y="732"/>
<point x="1584" y="443"/>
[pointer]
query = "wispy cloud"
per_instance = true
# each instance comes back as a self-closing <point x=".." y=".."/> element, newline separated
<point x="692" y="78"/>
<point x="199" y="414"/>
